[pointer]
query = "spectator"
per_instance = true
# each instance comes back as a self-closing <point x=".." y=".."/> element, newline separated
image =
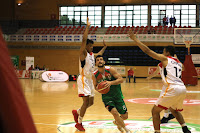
<point x="44" y="68"/>
<point x="131" y="75"/>
<point x="31" y="67"/>
<point x="164" y="20"/>
<point x="174" y="21"/>
<point x="167" y="21"/>
<point x="149" y="31"/>
<point x="37" y="67"/>
<point x="171" y="20"/>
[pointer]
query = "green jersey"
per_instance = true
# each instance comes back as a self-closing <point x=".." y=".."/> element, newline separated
<point x="115" y="90"/>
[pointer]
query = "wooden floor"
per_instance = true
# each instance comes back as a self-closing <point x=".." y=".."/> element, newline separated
<point x="51" y="104"/>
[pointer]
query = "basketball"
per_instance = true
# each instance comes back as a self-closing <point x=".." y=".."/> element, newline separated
<point x="101" y="88"/>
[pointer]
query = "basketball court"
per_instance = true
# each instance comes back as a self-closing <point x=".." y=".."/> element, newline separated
<point x="51" y="105"/>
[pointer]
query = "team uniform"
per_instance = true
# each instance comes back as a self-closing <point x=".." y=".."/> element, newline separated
<point x="84" y="81"/>
<point x="114" y="98"/>
<point x="174" y="91"/>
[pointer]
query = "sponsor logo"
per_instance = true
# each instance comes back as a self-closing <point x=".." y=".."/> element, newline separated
<point x="134" y="125"/>
<point x="153" y="100"/>
<point x="55" y="76"/>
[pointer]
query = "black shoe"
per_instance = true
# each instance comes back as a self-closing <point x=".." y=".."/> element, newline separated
<point x="170" y="117"/>
<point x="164" y="120"/>
<point x="186" y="130"/>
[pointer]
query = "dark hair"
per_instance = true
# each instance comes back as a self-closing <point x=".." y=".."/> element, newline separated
<point x="89" y="42"/>
<point x="170" y="49"/>
<point x="98" y="57"/>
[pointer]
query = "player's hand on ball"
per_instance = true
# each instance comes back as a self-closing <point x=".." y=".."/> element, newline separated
<point x="108" y="84"/>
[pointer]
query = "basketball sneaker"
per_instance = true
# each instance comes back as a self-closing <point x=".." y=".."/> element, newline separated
<point x="186" y="130"/>
<point x="75" y="114"/>
<point x="118" y="126"/>
<point x="165" y="120"/>
<point x="80" y="127"/>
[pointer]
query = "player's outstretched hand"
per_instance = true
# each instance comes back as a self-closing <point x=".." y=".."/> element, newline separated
<point x="104" y="43"/>
<point x="132" y="35"/>
<point x="88" y="23"/>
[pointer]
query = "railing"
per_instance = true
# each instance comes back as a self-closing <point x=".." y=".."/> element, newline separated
<point x="96" y="38"/>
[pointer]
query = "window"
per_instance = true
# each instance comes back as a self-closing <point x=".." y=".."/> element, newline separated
<point x="77" y="15"/>
<point x="130" y="15"/>
<point x="185" y="14"/>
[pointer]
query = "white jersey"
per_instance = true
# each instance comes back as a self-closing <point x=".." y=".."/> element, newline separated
<point x="172" y="73"/>
<point x="86" y="67"/>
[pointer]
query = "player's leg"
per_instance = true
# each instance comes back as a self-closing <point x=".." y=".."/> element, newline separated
<point x="91" y="101"/>
<point x="122" y="110"/>
<point x="119" y="121"/>
<point x="181" y="120"/>
<point x="176" y="108"/>
<point x="156" y="118"/>
<point x="82" y="111"/>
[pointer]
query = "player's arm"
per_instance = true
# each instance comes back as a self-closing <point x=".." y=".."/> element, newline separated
<point x="154" y="74"/>
<point x="146" y="49"/>
<point x="102" y="50"/>
<point x="117" y="76"/>
<point x="83" y="52"/>
<point x="94" y="81"/>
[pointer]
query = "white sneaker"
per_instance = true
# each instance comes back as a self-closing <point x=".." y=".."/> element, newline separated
<point x="119" y="127"/>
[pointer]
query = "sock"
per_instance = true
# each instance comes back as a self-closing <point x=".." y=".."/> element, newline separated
<point x="78" y="111"/>
<point x="166" y="115"/>
<point x="183" y="125"/>
<point x="126" y="129"/>
<point x="80" y="119"/>
<point x="157" y="131"/>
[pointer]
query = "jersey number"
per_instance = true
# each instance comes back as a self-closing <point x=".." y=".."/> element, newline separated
<point x="178" y="72"/>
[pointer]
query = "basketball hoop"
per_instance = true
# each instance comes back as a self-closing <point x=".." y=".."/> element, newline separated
<point x="188" y="43"/>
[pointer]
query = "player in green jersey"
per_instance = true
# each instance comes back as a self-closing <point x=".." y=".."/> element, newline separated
<point x="113" y="100"/>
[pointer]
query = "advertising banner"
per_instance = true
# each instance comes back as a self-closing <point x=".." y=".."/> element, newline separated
<point x="55" y="76"/>
<point x="29" y="62"/>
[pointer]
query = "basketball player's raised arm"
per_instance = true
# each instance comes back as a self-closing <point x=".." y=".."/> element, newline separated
<point x="146" y="49"/>
<point x="94" y="81"/>
<point x="83" y="51"/>
<point x="117" y="76"/>
<point x="154" y="74"/>
<point x="102" y="50"/>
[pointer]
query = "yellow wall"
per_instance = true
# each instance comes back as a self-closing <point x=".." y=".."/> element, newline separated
<point x="67" y="59"/>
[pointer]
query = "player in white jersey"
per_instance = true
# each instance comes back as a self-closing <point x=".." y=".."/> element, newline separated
<point x="168" y="114"/>
<point x="173" y="91"/>
<point x="84" y="81"/>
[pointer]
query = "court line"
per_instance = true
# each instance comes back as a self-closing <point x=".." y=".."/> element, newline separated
<point x="109" y="115"/>
<point x="88" y="114"/>
<point x="46" y="124"/>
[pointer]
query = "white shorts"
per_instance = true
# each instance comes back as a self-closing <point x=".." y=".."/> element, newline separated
<point x="172" y="96"/>
<point x="85" y="86"/>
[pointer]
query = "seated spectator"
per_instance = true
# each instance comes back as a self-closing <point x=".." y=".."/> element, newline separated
<point x="44" y="68"/>
<point x="37" y="67"/>
<point x="31" y="67"/>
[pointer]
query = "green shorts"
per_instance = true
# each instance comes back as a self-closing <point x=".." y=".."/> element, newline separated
<point x="119" y="104"/>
